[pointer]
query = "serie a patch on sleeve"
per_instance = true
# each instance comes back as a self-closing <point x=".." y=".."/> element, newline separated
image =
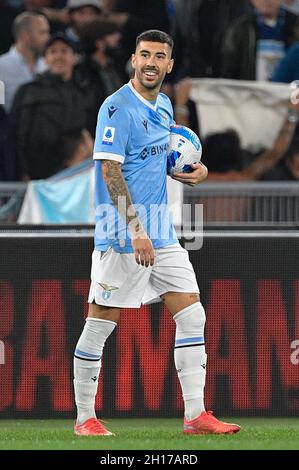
<point x="108" y="135"/>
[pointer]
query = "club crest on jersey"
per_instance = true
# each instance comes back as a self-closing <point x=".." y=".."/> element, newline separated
<point x="106" y="294"/>
<point x="108" y="135"/>
<point x="111" y="111"/>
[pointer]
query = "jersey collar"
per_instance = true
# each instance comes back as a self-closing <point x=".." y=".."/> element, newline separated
<point x="144" y="101"/>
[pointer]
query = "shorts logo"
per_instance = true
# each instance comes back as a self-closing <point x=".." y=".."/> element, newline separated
<point x="108" y="135"/>
<point x="107" y="290"/>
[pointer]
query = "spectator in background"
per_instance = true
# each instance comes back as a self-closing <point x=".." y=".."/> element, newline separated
<point x="256" y="42"/>
<point x="223" y="153"/>
<point x="289" y="170"/>
<point x="74" y="146"/>
<point x="135" y="16"/>
<point x="44" y="108"/>
<point x="278" y="208"/>
<point x="225" y="157"/>
<point x="23" y="61"/>
<point x="288" y="69"/>
<point x="63" y="12"/>
<point x="9" y="9"/>
<point x="201" y="25"/>
<point x="97" y="70"/>
<point x="81" y="12"/>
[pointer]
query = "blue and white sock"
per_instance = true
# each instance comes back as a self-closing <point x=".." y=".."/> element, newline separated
<point x="87" y="365"/>
<point x="190" y="357"/>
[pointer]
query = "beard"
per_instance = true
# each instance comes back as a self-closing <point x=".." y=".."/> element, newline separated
<point x="148" y="84"/>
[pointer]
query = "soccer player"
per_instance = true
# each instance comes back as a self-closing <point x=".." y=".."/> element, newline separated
<point x="137" y="256"/>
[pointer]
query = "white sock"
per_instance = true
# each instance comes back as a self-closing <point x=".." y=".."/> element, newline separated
<point x="87" y="365"/>
<point x="190" y="357"/>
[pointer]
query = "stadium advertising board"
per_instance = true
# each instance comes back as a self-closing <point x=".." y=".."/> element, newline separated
<point x="250" y="290"/>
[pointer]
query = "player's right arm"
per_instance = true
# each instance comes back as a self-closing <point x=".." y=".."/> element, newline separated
<point x="112" y="136"/>
<point x="142" y="245"/>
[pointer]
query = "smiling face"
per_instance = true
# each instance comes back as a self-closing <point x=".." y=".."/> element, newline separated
<point x="61" y="59"/>
<point x="151" y="62"/>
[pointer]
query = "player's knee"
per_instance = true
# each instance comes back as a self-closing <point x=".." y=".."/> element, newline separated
<point x="192" y="319"/>
<point x="197" y="319"/>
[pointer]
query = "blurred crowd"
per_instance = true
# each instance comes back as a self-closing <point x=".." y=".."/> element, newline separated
<point x="60" y="59"/>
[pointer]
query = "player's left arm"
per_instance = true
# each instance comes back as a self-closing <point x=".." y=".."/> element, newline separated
<point x="199" y="174"/>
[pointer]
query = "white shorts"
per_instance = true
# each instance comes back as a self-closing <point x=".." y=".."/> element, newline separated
<point x="118" y="281"/>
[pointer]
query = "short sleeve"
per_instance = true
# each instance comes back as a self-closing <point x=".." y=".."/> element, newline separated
<point x="170" y="112"/>
<point x="112" y="132"/>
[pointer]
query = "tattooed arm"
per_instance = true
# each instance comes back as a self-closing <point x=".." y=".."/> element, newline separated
<point x="121" y="198"/>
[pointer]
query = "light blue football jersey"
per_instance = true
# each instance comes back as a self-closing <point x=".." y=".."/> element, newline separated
<point x="134" y="132"/>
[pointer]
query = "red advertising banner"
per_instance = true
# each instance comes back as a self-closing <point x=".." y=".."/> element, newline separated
<point x="250" y="290"/>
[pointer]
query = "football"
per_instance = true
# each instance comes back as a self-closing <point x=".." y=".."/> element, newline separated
<point x="184" y="149"/>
